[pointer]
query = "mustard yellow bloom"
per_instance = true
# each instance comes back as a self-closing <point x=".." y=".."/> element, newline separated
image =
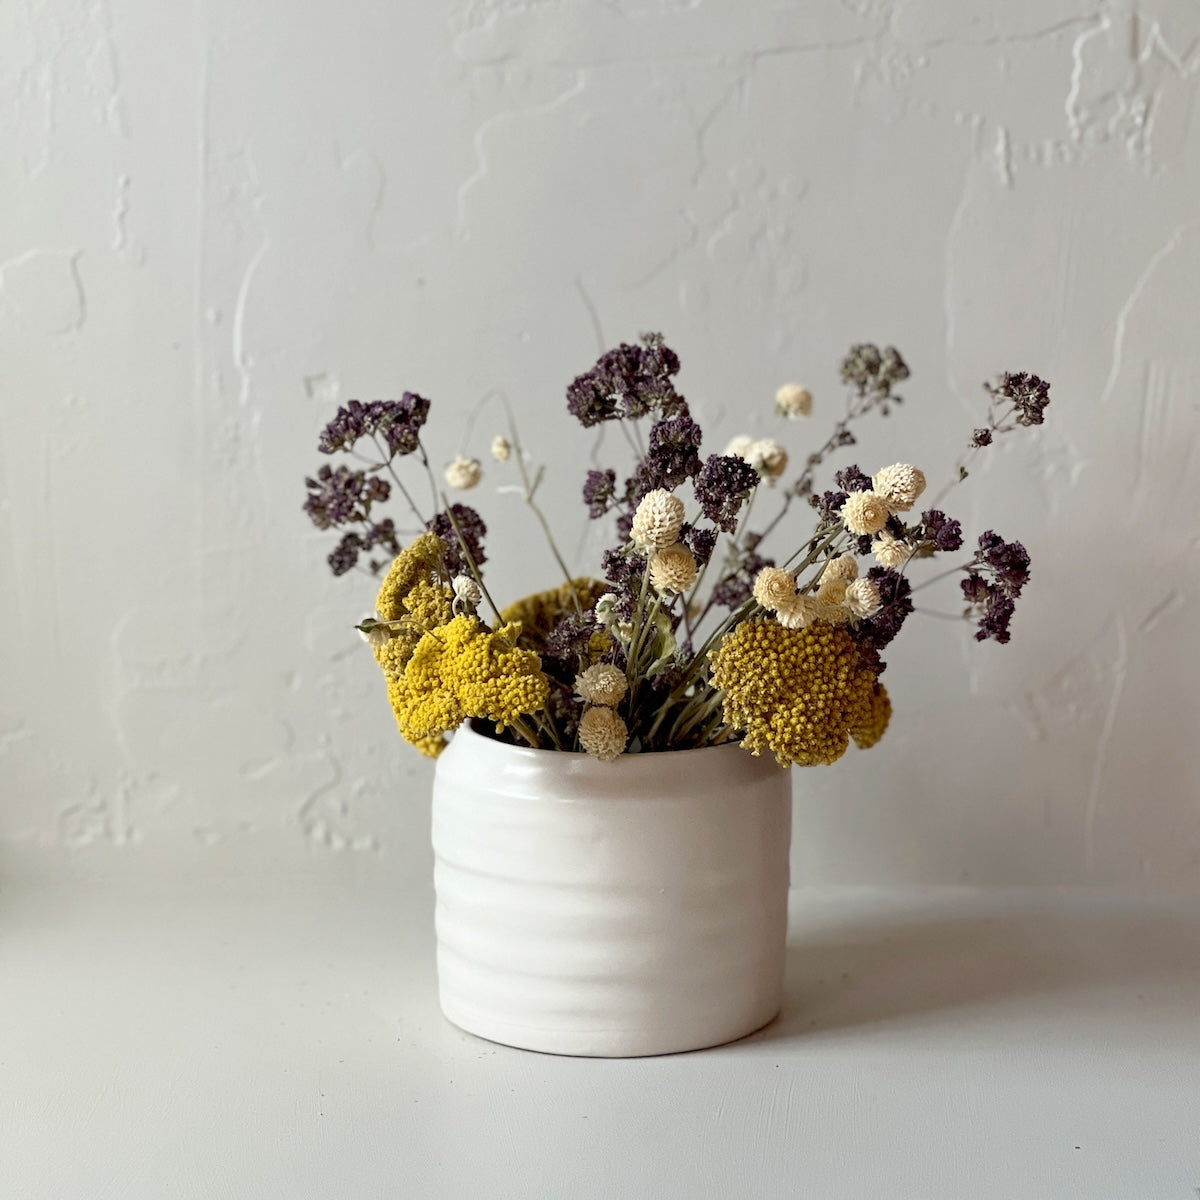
<point x="865" y="736"/>
<point x="537" y="614"/>
<point x="796" y="692"/>
<point x="460" y="670"/>
<point x="416" y="563"/>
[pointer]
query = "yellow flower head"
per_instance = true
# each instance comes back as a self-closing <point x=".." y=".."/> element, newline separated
<point x="865" y="736"/>
<point x="416" y="563"/>
<point x="462" y="669"/>
<point x="538" y="613"/>
<point x="797" y="692"/>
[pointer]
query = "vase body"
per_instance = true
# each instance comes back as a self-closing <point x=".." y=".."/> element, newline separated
<point x="609" y="909"/>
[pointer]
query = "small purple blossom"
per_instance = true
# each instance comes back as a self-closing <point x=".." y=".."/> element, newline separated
<point x="944" y="532"/>
<point x="851" y="479"/>
<point x="673" y="456"/>
<point x="829" y="505"/>
<point x="336" y="497"/>
<point x="565" y="650"/>
<point x="874" y="634"/>
<point x="1028" y="393"/>
<point x="738" y="586"/>
<point x="981" y="437"/>
<point x="873" y="372"/>
<point x="629" y="381"/>
<point x="1007" y="561"/>
<point x="998" y="572"/>
<point x="699" y="541"/>
<point x="599" y="489"/>
<point x="398" y="422"/>
<point x="473" y="532"/>
<point x="722" y="487"/>
<point x="345" y="554"/>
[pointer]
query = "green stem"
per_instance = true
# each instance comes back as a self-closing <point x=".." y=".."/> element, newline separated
<point x="466" y="553"/>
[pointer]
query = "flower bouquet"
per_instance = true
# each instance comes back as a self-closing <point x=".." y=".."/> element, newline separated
<point x="611" y="865"/>
<point x="690" y="634"/>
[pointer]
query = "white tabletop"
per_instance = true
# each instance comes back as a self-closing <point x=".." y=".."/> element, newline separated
<point x="281" y="1038"/>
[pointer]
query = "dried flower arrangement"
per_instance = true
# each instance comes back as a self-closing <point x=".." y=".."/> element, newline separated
<point x="781" y="656"/>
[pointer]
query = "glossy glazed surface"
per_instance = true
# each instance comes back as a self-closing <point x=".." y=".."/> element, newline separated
<point x="609" y="909"/>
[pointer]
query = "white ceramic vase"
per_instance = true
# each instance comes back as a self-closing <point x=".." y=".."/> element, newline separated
<point x="609" y="909"/>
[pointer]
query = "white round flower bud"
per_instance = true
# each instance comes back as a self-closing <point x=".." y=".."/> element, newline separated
<point x="738" y="447"/>
<point x="865" y="513"/>
<point x="774" y="587"/>
<point x="891" y="551"/>
<point x="602" y="733"/>
<point x="501" y="448"/>
<point x="845" y="566"/>
<point x="673" y="568"/>
<point x="793" y="400"/>
<point x="606" y="610"/>
<point x="798" y="613"/>
<point x="899" y="485"/>
<point x="657" y="521"/>
<point x="464" y="473"/>
<point x="767" y="457"/>
<point x="467" y="590"/>
<point x="601" y="683"/>
<point x="862" y="598"/>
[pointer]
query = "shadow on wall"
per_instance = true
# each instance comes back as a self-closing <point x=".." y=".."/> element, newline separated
<point x="909" y="969"/>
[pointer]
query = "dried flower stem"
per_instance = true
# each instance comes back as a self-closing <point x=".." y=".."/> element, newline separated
<point x="466" y="553"/>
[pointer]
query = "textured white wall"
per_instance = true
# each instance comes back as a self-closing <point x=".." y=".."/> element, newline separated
<point x="219" y="218"/>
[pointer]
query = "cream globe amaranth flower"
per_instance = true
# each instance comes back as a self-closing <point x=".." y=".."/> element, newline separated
<point x="467" y="590"/>
<point x="605" y="610"/>
<point x="602" y="733"/>
<point x="501" y="448"/>
<point x="891" y="552"/>
<point x="657" y="521"/>
<point x="601" y="683"/>
<point x="798" y="613"/>
<point x="831" y="602"/>
<point x="865" y="513"/>
<point x="767" y="457"/>
<point x="464" y="473"/>
<point x="844" y="566"/>
<point x="899" y="485"/>
<point x="862" y="598"/>
<point x="739" y="446"/>
<point x="793" y="400"/>
<point x="774" y="587"/>
<point x="673" y="569"/>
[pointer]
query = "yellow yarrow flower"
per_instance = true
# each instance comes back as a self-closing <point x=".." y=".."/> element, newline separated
<point x="462" y="669"/>
<point x="537" y="614"/>
<point x="797" y="692"/>
<point x="414" y="564"/>
<point x="865" y="736"/>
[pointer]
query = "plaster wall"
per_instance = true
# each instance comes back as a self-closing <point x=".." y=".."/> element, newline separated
<point x="218" y="220"/>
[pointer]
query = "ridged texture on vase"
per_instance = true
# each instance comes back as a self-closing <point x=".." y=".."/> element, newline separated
<point x="609" y="909"/>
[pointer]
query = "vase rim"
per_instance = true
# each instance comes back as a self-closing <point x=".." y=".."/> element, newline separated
<point x="532" y="753"/>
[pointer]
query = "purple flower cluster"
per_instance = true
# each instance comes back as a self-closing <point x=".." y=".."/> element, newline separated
<point x="599" y="491"/>
<point x="723" y="485"/>
<point x="473" y="532"/>
<point x="699" y="541"/>
<point x="566" y="648"/>
<point x="851" y="479"/>
<point x="874" y="634"/>
<point x="1028" y="393"/>
<point x="673" y="456"/>
<point x="398" y="422"/>
<point x="341" y="496"/>
<point x="939" y="529"/>
<point x="994" y="580"/>
<point x="345" y="553"/>
<point x="629" y="381"/>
